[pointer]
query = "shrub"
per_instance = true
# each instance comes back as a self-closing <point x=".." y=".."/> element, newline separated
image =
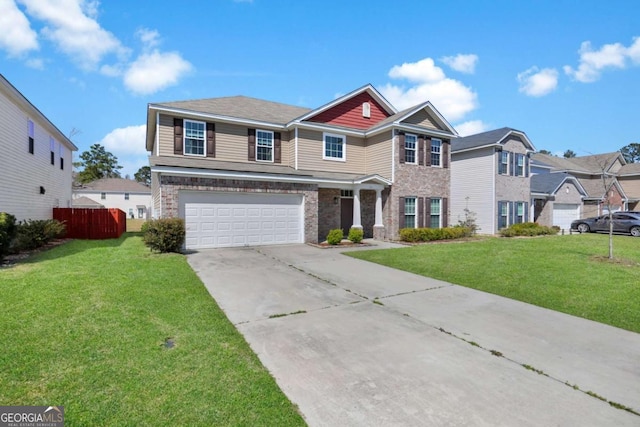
<point x="469" y="221"/>
<point x="527" y="229"/>
<point x="33" y="234"/>
<point x="356" y="235"/>
<point x="7" y="232"/>
<point x="429" y="234"/>
<point x="335" y="236"/>
<point x="164" y="235"/>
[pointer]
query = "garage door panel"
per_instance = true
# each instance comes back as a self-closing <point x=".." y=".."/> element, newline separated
<point x="240" y="219"/>
<point x="564" y="214"/>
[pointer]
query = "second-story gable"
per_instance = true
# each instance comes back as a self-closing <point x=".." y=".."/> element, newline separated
<point x="359" y="112"/>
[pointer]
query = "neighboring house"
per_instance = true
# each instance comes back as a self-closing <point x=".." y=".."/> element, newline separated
<point x="629" y="179"/>
<point x="600" y="194"/>
<point x="83" y="202"/>
<point x="490" y="178"/>
<point x="35" y="166"/>
<point x="129" y="196"/>
<point x="557" y="199"/>
<point x="244" y="171"/>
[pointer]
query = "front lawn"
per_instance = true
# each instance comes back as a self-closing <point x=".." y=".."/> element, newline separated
<point x="564" y="273"/>
<point x="90" y="325"/>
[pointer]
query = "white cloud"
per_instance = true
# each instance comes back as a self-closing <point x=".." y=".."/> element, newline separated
<point x="537" y="82"/>
<point x="154" y="71"/>
<point x="72" y="27"/>
<point x="35" y="63"/>
<point x="126" y="141"/>
<point x="422" y="71"/>
<point x="471" y="127"/>
<point x="16" y="37"/>
<point x="149" y="38"/>
<point x="464" y="63"/>
<point x="609" y="56"/>
<point x="634" y="51"/>
<point x="451" y="97"/>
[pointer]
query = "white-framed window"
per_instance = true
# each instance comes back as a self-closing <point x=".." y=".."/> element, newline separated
<point x="520" y="212"/>
<point x="436" y="213"/>
<point x="520" y="164"/>
<point x="503" y="166"/>
<point x="52" y="149"/>
<point x="32" y="134"/>
<point x="503" y="215"/>
<point x="264" y="145"/>
<point x="436" y="152"/>
<point x="194" y="138"/>
<point x="410" y="148"/>
<point x="126" y="196"/>
<point x="335" y="147"/>
<point x="410" y="212"/>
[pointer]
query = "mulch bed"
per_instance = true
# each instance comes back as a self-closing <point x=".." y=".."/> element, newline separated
<point x="11" y="260"/>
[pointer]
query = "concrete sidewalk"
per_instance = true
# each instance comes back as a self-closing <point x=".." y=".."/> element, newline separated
<point x="377" y="346"/>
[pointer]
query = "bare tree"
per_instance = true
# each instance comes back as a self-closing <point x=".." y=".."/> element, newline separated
<point x="607" y="202"/>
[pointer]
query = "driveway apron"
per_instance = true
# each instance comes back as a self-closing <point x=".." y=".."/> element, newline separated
<point x="358" y="344"/>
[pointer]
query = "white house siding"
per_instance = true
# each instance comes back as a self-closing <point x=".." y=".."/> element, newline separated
<point x="155" y="195"/>
<point x="21" y="173"/>
<point x="472" y="187"/>
<point x="116" y="200"/>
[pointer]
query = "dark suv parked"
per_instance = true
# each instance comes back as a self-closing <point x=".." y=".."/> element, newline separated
<point x="623" y="222"/>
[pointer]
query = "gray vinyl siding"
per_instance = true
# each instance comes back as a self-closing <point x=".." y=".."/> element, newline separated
<point x="310" y="150"/>
<point x="379" y="158"/>
<point x="422" y="118"/>
<point x="472" y="187"/>
<point x="155" y="195"/>
<point x="22" y="174"/>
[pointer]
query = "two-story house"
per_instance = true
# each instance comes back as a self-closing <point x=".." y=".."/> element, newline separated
<point x="243" y="171"/>
<point x="125" y="194"/>
<point x="490" y="178"/>
<point x="599" y="194"/>
<point x="35" y="165"/>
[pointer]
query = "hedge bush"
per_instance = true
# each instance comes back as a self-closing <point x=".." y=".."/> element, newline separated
<point x="356" y="235"/>
<point x="33" y="234"/>
<point x="164" y="235"/>
<point x="7" y="232"/>
<point x="335" y="236"/>
<point x="528" y="229"/>
<point x="429" y="234"/>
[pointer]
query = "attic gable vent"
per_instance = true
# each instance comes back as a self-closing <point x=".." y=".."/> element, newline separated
<point x="366" y="110"/>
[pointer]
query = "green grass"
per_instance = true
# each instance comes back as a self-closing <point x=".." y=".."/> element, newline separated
<point x="564" y="273"/>
<point x="84" y="325"/>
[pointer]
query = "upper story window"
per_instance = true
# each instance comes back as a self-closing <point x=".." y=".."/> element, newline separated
<point x="334" y="147"/>
<point x="520" y="165"/>
<point x="126" y="196"/>
<point x="52" y="149"/>
<point x="194" y="138"/>
<point x="103" y="196"/>
<point x="436" y="152"/>
<point x="410" y="143"/>
<point x="32" y="133"/>
<point x="264" y="145"/>
<point x="503" y="165"/>
<point x="410" y="212"/>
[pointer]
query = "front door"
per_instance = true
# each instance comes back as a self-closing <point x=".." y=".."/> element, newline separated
<point x="346" y="214"/>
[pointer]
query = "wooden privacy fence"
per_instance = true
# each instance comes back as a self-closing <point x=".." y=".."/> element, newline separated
<point x="92" y="223"/>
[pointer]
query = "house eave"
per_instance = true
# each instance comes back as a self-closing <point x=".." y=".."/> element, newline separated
<point x="257" y="176"/>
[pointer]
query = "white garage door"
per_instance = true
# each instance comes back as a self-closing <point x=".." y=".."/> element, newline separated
<point x="216" y="220"/>
<point x="564" y="213"/>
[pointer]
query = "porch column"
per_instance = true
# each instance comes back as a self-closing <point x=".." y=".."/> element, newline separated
<point x="357" y="223"/>
<point x="378" y="222"/>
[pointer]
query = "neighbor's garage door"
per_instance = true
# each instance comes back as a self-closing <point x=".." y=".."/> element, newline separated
<point x="564" y="213"/>
<point x="215" y="220"/>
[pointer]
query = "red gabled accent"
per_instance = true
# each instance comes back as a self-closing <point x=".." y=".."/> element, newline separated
<point x="349" y="113"/>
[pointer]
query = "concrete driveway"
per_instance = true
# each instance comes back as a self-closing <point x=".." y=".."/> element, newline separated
<point x="358" y="344"/>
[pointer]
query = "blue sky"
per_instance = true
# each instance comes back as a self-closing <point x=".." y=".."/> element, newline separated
<point x="565" y="72"/>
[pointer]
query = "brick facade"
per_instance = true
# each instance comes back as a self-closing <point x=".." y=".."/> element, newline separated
<point x="171" y="186"/>
<point x="328" y="211"/>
